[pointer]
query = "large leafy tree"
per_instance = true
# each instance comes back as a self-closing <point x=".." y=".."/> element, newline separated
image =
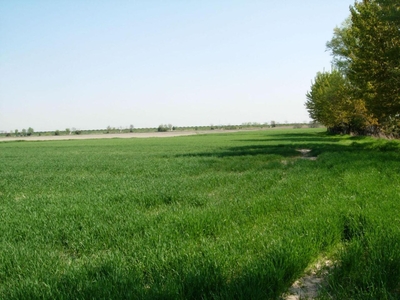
<point x="366" y="51"/>
<point x="375" y="59"/>
<point x="366" y="48"/>
<point x="331" y="102"/>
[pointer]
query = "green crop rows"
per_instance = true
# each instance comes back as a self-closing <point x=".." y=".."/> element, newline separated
<point x="219" y="216"/>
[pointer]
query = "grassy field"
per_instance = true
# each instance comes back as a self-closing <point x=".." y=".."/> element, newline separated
<point x="222" y="216"/>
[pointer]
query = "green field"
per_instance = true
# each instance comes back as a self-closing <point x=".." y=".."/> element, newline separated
<point x="220" y="216"/>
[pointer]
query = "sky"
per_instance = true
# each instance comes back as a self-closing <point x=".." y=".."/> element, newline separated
<point x="93" y="64"/>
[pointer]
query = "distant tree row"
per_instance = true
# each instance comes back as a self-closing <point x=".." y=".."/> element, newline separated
<point x="361" y="94"/>
<point x="23" y="132"/>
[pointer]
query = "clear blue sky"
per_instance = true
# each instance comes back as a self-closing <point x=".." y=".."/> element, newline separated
<point x="90" y="64"/>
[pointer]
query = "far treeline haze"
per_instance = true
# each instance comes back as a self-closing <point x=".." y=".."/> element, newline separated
<point x="361" y="94"/>
<point x="161" y="128"/>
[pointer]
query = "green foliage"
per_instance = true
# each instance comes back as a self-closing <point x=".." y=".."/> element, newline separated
<point x="328" y="98"/>
<point x="366" y="51"/>
<point x="340" y="46"/>
<point x="30" y="131"/>
<point x="219" y="216"/>
<point x="330" y="102"/>
<point x="164" y="128"/>
<point x="375" y="61"/>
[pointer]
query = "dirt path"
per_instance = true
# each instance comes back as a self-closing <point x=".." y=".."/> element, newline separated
<point x="308" y="286"/>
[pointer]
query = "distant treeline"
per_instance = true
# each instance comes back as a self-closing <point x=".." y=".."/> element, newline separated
<point x="361" y="95"/>
<point x="160" y="128"/>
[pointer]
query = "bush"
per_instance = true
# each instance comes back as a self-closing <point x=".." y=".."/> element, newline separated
<point x="163" y="128"/>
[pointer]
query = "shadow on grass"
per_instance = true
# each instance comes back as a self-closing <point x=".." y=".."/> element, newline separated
<point x="204" y="281"/>
<point x="296" y="137"/>
<point x="338" y="152"/>
<point x="287" y="144"/>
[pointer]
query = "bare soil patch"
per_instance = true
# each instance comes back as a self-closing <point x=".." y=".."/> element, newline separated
<point x="308" y="286"/>
<point x="305" y="154"/>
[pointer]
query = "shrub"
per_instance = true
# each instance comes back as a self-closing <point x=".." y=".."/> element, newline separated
<point x="163" y="128"/>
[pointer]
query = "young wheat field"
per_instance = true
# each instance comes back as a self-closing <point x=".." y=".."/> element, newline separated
<point x="221" y="216"/>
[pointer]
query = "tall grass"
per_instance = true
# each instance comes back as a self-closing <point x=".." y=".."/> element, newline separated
<point x="224" y="216"/>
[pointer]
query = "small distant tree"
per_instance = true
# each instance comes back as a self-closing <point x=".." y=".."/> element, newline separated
<point x="273" y="124"/>
<point x="57" y="132"/>
<point x="30" y="131"/>
<point x="23" y="132"/>
<point x="163" y="128"/>
<point x="67" y="131"/>
<point x="16" y="132"/>
<point x="131" y="128"/>
<point x="108" y="129"/>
